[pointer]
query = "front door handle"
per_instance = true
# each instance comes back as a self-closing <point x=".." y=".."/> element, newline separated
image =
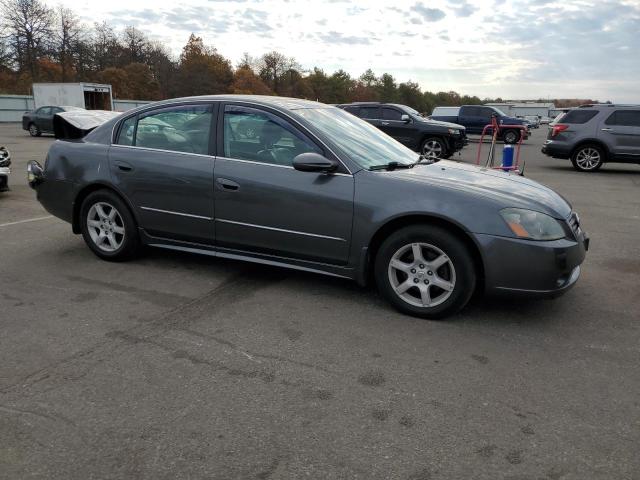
<point x="125" y="167"/>
<point x="228" y="184"/>
<point x="385" y="123"/>
<point x="607" y="129"/>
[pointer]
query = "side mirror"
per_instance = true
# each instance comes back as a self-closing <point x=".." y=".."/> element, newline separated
<point x="314" y="162"/>
<point x="405" y="118"/>
<point x="35" y="174"/>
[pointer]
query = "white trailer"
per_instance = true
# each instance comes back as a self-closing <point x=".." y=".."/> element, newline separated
<point x="92" y="96"/>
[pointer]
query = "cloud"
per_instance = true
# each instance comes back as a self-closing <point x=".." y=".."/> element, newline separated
<point x="462" y="8"/>
<point x="340" y="38"/>
<point x="429" y="14"/>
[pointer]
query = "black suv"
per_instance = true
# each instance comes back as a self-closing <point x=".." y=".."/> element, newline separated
<point x="592" y="135"/>
<point x="429" y="137"/>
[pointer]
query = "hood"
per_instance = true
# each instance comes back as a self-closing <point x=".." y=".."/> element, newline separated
<point x="78" y="123"/>
<point x="512" y="121"/>
<point x="441" y="124"/>
<point x="509" y="190"/>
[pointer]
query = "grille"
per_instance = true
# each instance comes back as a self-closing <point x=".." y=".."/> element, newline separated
<point x="574" y="223"/>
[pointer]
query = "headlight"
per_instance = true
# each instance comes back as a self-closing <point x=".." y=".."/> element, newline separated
<point x="532" y="225"/>
<point x="453" y="131"/>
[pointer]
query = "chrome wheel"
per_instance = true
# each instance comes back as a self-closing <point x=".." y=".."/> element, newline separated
<point x="432" y="149"/>
<point x="511" y="137"/>
<point x="588" y="158"/>
<point x="105" y="226"/>
<point x="33" y="130"/>
<point x="422" y="275"/>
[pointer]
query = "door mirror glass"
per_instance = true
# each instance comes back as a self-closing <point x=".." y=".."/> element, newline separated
<point x="314" y="162"/>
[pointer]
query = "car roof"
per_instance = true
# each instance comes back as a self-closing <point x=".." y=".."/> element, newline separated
<point x="285" y="103"/>
<point x="602" y="106"/>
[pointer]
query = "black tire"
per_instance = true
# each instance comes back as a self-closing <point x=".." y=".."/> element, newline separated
<point x="459" y="269"/>
<point x="34" y="131"/>
<point x="584" y="158"/>
<point x="434" y="146"/>
<point x="511" y="136"/>
<point x="128" y="243"/>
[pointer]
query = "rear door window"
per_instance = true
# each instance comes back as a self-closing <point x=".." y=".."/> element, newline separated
<point x="370" y="113"/>
<point x="352" y="110"/>
<point x="624" y="118"/>
<point x="579" y="116"/>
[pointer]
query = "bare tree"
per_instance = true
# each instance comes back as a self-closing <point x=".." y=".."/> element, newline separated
<point x="29" y="25"/>
<point x="135" y="45"/>
<point x="105" y="46"/>
<point x="67" y="38"/>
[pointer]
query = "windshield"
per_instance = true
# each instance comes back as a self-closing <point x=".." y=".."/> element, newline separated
<point x="363" y="143"/>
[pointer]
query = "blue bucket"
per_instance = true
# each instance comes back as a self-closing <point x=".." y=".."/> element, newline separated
<point x="507" y="158"/>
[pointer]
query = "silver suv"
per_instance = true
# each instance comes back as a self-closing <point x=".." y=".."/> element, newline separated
<point x="591" y="135"/>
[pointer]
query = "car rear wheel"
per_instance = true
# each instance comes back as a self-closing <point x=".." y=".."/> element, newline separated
<point x="511" y="136"/>
<point x="425" y="271"/>
<point x="34" y="131"/>
<point x="588" y="158"/>
<point x="433" y="147"/>
<point x="108" y="227"/>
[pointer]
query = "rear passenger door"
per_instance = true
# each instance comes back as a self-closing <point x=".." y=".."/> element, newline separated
<point x="371" y="114"/>
<point x="621" y="131"/>
<point x="162" y="162"/>
<point x="44" y="119"/>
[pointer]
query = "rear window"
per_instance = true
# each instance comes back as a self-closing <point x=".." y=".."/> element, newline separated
<point x="579" y="116"/>
<point x="624" y="118"/>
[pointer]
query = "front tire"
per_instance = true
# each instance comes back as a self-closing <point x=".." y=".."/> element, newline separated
<point x="588" y="158"/>
<point x="433" y="147"/>
<point x="108" y="227"/>
<point x="34" y="131"/>
<point x="425" y="271"/>
<point x="511" y="136"/>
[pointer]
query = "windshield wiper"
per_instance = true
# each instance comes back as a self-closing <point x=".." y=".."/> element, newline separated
<point x="422" y="157"/>
<point x="391" y="166"/>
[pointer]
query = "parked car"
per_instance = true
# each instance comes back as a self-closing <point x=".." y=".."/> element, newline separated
<point x="316" y="189"/>
<point x="40" y="120"/>
<point x="475" y="117"/>
<point x="545" y="120"/>
<point x="533" y="120"/>
<point x="5" y="162"/>
<point x="593" y="135"/>
<point x="428" y="137"/>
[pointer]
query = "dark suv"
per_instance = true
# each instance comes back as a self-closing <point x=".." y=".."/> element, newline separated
<point x="429" y="137"/>
<point x="591" y="135"/>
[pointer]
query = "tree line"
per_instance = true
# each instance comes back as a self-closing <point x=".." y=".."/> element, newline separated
<point x="42" y="44"/>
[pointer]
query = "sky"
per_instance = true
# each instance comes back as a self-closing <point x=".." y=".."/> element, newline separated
<point x="514" y="49"/>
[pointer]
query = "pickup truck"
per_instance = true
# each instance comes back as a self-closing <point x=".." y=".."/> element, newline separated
<point x="430" y="138"/>
<point x="475" y="117"/>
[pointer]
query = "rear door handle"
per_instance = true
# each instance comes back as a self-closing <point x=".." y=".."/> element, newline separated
<point x="228" y="184"/>
<point x="385" y="123"/>
<point x="125" y="167"/>
<point x="607" y="129"/>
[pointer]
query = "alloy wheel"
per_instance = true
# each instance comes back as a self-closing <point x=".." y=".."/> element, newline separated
<point x="422" y="275"/>
<point x="432" y="149"/>
<point x="510" y="137"/>
<point x="588" y="158"/>
<point x="33" y="130"/>
<point x="105" y="226"/>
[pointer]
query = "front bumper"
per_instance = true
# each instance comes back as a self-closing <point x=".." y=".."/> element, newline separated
<point x="531" y="268"/>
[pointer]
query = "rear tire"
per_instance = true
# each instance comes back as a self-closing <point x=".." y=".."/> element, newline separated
<point x="588" y="158"/>
<point x="425" y="271"/>
<point x="34" y="131"/>
<point x="108" y="227"/>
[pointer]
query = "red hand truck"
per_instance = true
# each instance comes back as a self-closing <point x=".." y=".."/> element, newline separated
<point x="495" y="128"/>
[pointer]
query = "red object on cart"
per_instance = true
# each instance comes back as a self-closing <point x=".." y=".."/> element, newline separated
<point x="495" y="127"/>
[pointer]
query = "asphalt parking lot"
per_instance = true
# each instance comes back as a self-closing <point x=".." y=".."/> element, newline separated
<point x="179" y="366"/>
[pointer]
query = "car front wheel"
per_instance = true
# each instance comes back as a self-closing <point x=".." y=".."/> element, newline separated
<point x="588" y="158"/>
<point x="34" y="131"/>
<point x="511" y="136"/>
<point x="433" y="147"/>
<point x="425" y="271"/>
<point x="108" y="227"/>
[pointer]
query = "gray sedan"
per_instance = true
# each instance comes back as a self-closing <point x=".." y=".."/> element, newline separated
<point x="314" y="188"/>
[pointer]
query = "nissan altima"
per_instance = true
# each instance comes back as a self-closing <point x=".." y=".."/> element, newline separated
<point x="314" y="188"/>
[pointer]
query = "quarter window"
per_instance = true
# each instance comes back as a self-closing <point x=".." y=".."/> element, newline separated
<point x="259" y="136"/>
<point x="183" y="128"/>
<point x="391" y="114"/>
<point x="578" y="117"/>
<point x="624" y="118"/>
